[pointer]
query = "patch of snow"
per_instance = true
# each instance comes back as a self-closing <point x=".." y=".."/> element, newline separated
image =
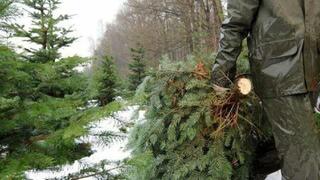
<point x="4" y="151"/>
<point x="112" y="152"/>
<point x="275" y="176"/>
<point x="118" y="98"/>
<point x="92" y="103"/>
<point x="82" y="67"/>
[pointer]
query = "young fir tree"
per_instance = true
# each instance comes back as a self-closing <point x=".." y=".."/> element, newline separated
<point x="34" y="115"/>
<point x="137" y="68"/>
<point x="45" y="31"/>
<point x="106" y="81"/>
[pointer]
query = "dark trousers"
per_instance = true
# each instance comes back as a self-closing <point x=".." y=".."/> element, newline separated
<point x="296" y="136"/>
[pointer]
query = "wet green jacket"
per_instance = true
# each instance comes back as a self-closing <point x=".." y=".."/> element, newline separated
<point x="283" y="40"/>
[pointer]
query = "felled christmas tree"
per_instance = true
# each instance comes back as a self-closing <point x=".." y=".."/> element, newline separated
<point x="192" y="131"/>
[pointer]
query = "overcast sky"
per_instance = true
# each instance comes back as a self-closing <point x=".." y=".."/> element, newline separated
<point x="89" y="20"/>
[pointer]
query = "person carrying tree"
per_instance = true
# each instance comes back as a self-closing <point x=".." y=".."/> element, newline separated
<point x="284" y="51"/>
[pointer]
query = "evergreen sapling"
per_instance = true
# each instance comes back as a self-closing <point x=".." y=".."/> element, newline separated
<point x="137" y="68"/>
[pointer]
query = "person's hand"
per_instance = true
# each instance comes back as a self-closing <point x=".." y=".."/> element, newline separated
<point x="219" y="82"/>
<point x="219" y="78"/>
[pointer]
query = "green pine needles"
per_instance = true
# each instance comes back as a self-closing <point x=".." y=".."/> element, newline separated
<point x="45" y="31"/>
<point x="105" y="82"/>
<point x="178" y="140"/>
<point x="137" y="68"/>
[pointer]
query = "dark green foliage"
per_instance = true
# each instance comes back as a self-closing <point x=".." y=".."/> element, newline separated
<point x="42" y="111"/>
<point x="179" y="140"/>
<point x="8" y="11"/>
<point x="7" y="54"/>
<point x="43" y="102"/>
<point x="56" y="148"/>
<point x="137" y="68"/>
<point x="45" y="31"/>
<point x="105" y="81"/>
<point x="64" y="80"/>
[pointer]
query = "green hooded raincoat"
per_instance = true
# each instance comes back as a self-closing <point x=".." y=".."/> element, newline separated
<point x="284" y="52"/>
<point x="283" y="40"/>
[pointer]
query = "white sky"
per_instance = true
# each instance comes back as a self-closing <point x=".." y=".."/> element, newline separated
<point x="89" y="20"/>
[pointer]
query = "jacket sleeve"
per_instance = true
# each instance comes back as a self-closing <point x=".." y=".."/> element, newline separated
<point x="234" y="29"/>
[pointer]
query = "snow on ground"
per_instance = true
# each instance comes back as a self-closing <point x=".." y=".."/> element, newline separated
<point x="113" y="152"/>
<point x="274" y="176"/>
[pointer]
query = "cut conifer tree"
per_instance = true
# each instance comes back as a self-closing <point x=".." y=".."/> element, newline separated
<point x="244" y="85"/>
<point x="193" y="132"/>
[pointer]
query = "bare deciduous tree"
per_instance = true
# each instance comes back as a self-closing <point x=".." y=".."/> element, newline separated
<point x="172" y="27"/>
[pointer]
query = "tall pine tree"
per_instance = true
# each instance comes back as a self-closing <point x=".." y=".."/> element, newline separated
<point x="137" y="67"/>
<point x="45" y="31"/>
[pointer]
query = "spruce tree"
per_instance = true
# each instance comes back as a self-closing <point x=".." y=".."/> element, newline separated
<point x="107" y="81"/>
<point x="137" y="67"/>
<point x="45" y="31"/>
